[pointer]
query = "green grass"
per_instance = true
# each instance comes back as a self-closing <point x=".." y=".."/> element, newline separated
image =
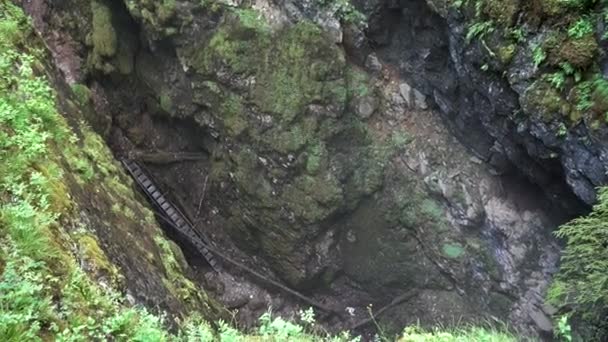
<point x="472" y="334"/>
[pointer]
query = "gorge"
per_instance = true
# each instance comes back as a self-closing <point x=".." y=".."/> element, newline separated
<point x="412" y="155"/>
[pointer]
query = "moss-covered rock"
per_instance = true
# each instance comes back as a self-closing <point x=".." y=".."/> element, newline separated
<point x="545" y="102"/>
<point x="112" y="38"/>
<point x="157" y="15"/>
<point x="103" y="37"/>
<point x="579" y="52"/>
<point x="503" y="12"/>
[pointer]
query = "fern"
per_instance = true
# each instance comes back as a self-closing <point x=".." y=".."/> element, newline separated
<point x="479" y="30"/>
<point x="580" y="28"/>
<point x="557" y="80"/>
<point x="538" y="55"/>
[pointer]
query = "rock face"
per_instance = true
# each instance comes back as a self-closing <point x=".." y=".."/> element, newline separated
<point x="493" y="94"/>
<point x="338" y="179"/>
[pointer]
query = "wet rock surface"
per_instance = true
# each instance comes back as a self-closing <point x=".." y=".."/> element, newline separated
<point x="330" y="167"/>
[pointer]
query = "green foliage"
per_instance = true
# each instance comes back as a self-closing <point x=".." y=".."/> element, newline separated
<point x="195" y="329"/>
<point x="563" y="329"/>
<point x="577" y="4"/>
<point x="582" y="282"/>
<point x="583" y="93"/>
<point x="278" y="327"/>
<point x="416" y="334"/>
<point x="453" y="250"/>
<point x="344" y="10"/>
<point x="567" y="69"/>
<point x="592" y="96"/>
<point x="42" y="290"/>
<point x="82" y="93"/>
<point x="538" y="55"/>
<point x="557" y="80"/>
<point x="518" y="34"/>
<point x="22" y="300"/>
<point x="581" y="28"/>
<point x="479" y="29"/>
<point x="562" y="130"/>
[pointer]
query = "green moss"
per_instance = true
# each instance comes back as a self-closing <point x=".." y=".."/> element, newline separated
<point x="82" y="93"/>
<point x="118" y="186"/>
<point x="316" y="158"/>
<point x="579" y="52"/>
<point x="97" y="259"/>
<point x="238" y="44"/>
<point x="123" y="210"/>
<point x="544" y="101"/>
<point x="430" y="209"/>
<point x="293" y="67"/>
<point x="250" y="178"/>
<point x="599" y="96"/>
<point x="156" y="14"/>
<point x="505" y="53"/>
<point x="173" y="261"/>
<point x="124" y="58"/>
<point x="165" y="102"/>
<point x="165" y="10"/>
<point x="293" y="138"/>
<point x="96" y="149"/>
<point x="233" y="114"/>
<point x="358" y="82"/>
<point x="285" y="84"/>
<point x="502" y="11"/>
<point x="369" y="176"/>
<point x="103" y="35"/>
<point x="313" y="198"/>
<point x="452" y="250"/>
<point x="252" y="19"/>
<point x="225" y="50"/>
<point x="552" y="7"/>
<point x="84" y="168"/>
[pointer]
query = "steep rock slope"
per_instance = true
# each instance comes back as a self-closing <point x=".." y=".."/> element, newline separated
<point x="77" y="247"/>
